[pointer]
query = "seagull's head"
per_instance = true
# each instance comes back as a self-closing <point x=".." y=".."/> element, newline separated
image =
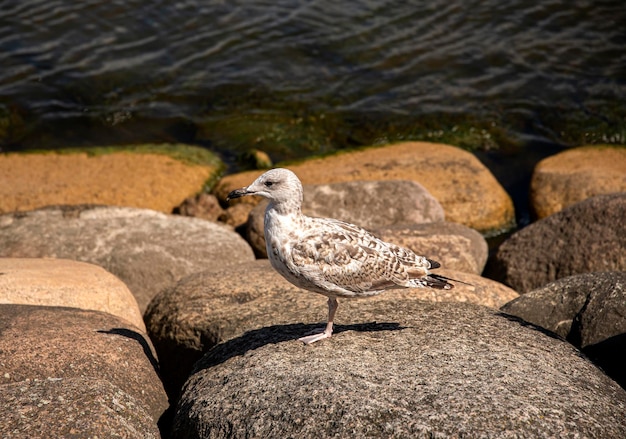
<point x="279" y="185"/>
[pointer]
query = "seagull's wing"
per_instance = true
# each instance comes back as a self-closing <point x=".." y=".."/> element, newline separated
<point x="346" y="258"/>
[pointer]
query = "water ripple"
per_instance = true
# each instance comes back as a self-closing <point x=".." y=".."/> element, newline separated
<point x="201" y="60"/>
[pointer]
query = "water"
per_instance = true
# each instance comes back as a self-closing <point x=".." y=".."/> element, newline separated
<point x="296" y="78"/>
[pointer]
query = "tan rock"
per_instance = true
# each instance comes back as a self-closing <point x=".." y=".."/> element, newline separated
<point x="466" y="189"/>
<point x="61" y="282"/>
<point x="575" y="175"/>
<point x="152" y="181"/>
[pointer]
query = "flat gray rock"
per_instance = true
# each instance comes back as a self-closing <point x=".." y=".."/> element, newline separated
<point x="432" y="370"/>
<point x="585" y="237"/>
<point x="147" y="250"/>
<point x="588" y="310"/>
<point x="368" y="204"/>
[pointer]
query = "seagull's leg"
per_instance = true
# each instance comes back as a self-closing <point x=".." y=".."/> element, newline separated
<point x="328" y="332"/>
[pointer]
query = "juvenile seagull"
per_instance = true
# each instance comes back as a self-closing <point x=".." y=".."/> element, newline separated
<point x="328" y="256"/>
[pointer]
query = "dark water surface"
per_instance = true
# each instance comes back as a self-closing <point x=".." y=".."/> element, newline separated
<point x="295" y="78"/>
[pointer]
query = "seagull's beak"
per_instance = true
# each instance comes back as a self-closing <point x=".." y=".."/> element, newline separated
<point x="237" y="193"/>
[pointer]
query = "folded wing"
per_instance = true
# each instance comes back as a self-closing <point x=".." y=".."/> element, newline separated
<point x="342" y="255"/>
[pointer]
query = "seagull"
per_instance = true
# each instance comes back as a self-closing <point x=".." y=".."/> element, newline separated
<point x="328" y="256"/>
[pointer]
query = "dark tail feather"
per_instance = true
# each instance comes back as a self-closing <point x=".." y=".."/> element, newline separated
<point x="441" y="282"/>
<point x="433" y="264"/>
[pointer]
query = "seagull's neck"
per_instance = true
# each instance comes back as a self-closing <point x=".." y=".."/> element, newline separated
<point x="290" y="208"/>
<point x="282" y="221"/>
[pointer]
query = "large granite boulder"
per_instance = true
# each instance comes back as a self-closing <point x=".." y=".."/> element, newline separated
<point x="137" y="176"/>
<point x="147" y="250"/>
<point x="421" y="370"/>
<point x="588" y="310"/>
<point x="205" y="308"/>
<point x="369" y="204"/>
<point x="373" y="203"/>
<point x="588" y="236"/>
<point x="61" y="282"/>
<point x="468" y="192"/>
<point x="575" y="175"/>
<point x="68" y="372"/>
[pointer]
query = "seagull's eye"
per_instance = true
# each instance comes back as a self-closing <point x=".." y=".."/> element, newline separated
<point x="269" y="183"/>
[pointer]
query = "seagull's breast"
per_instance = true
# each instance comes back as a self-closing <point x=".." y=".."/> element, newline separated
<point x="282" y="234"/>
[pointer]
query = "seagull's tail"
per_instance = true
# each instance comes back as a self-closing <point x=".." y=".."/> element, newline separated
<point x="441" y="282"/>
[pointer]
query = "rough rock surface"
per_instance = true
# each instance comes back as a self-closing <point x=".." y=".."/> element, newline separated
<point x="237" y="215"/>
<point x="186" y="320"/>
<point x="586" y="237"/>
<point x="54" y="358"/>
<point x="575" y="175"/>
<point x="423" y="370"/>
<point x="31" y="181"/>
<point x="72" y="408"/>
<point x="589" y="310"/>
<point x="61" y="282"/>
<point x="147" y="250"/>
<point x="468" y="192"/>
<point x="454" y="246"/>
<point x="374" y="203"/>
<point x="369" y="204"/>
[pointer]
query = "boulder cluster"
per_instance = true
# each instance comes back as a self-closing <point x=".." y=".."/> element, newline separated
<point x="119" y="319"/>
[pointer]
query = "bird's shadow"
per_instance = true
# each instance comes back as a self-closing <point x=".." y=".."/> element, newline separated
<point x="275" y="334"/>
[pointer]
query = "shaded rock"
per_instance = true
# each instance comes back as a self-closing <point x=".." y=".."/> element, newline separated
<point x="588" y="310"/>
<point x="147" y="250"/>
<point x="61" y="282"/>
<point x="369" y="204"/>
<point x="64" y="347"/>
<point x="203" y="206"/>
<point x="237" y="214"/>
<point x="255" y="159"/>
<point x="454" y="246"/>
<point x="137" y="176"/>
<point x="586" y="237"/>
<point x="455" y="177"/>
<point x="575" y="175"/>
<point x="423" y="370"/>
<point x="203" y="309"/>
<point x="72" y="407"/>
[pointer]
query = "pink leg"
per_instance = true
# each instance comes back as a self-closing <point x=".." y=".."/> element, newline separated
<point x="328" y="332"/>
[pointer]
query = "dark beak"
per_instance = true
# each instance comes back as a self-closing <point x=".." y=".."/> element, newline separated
<point x="237" y="193"/>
